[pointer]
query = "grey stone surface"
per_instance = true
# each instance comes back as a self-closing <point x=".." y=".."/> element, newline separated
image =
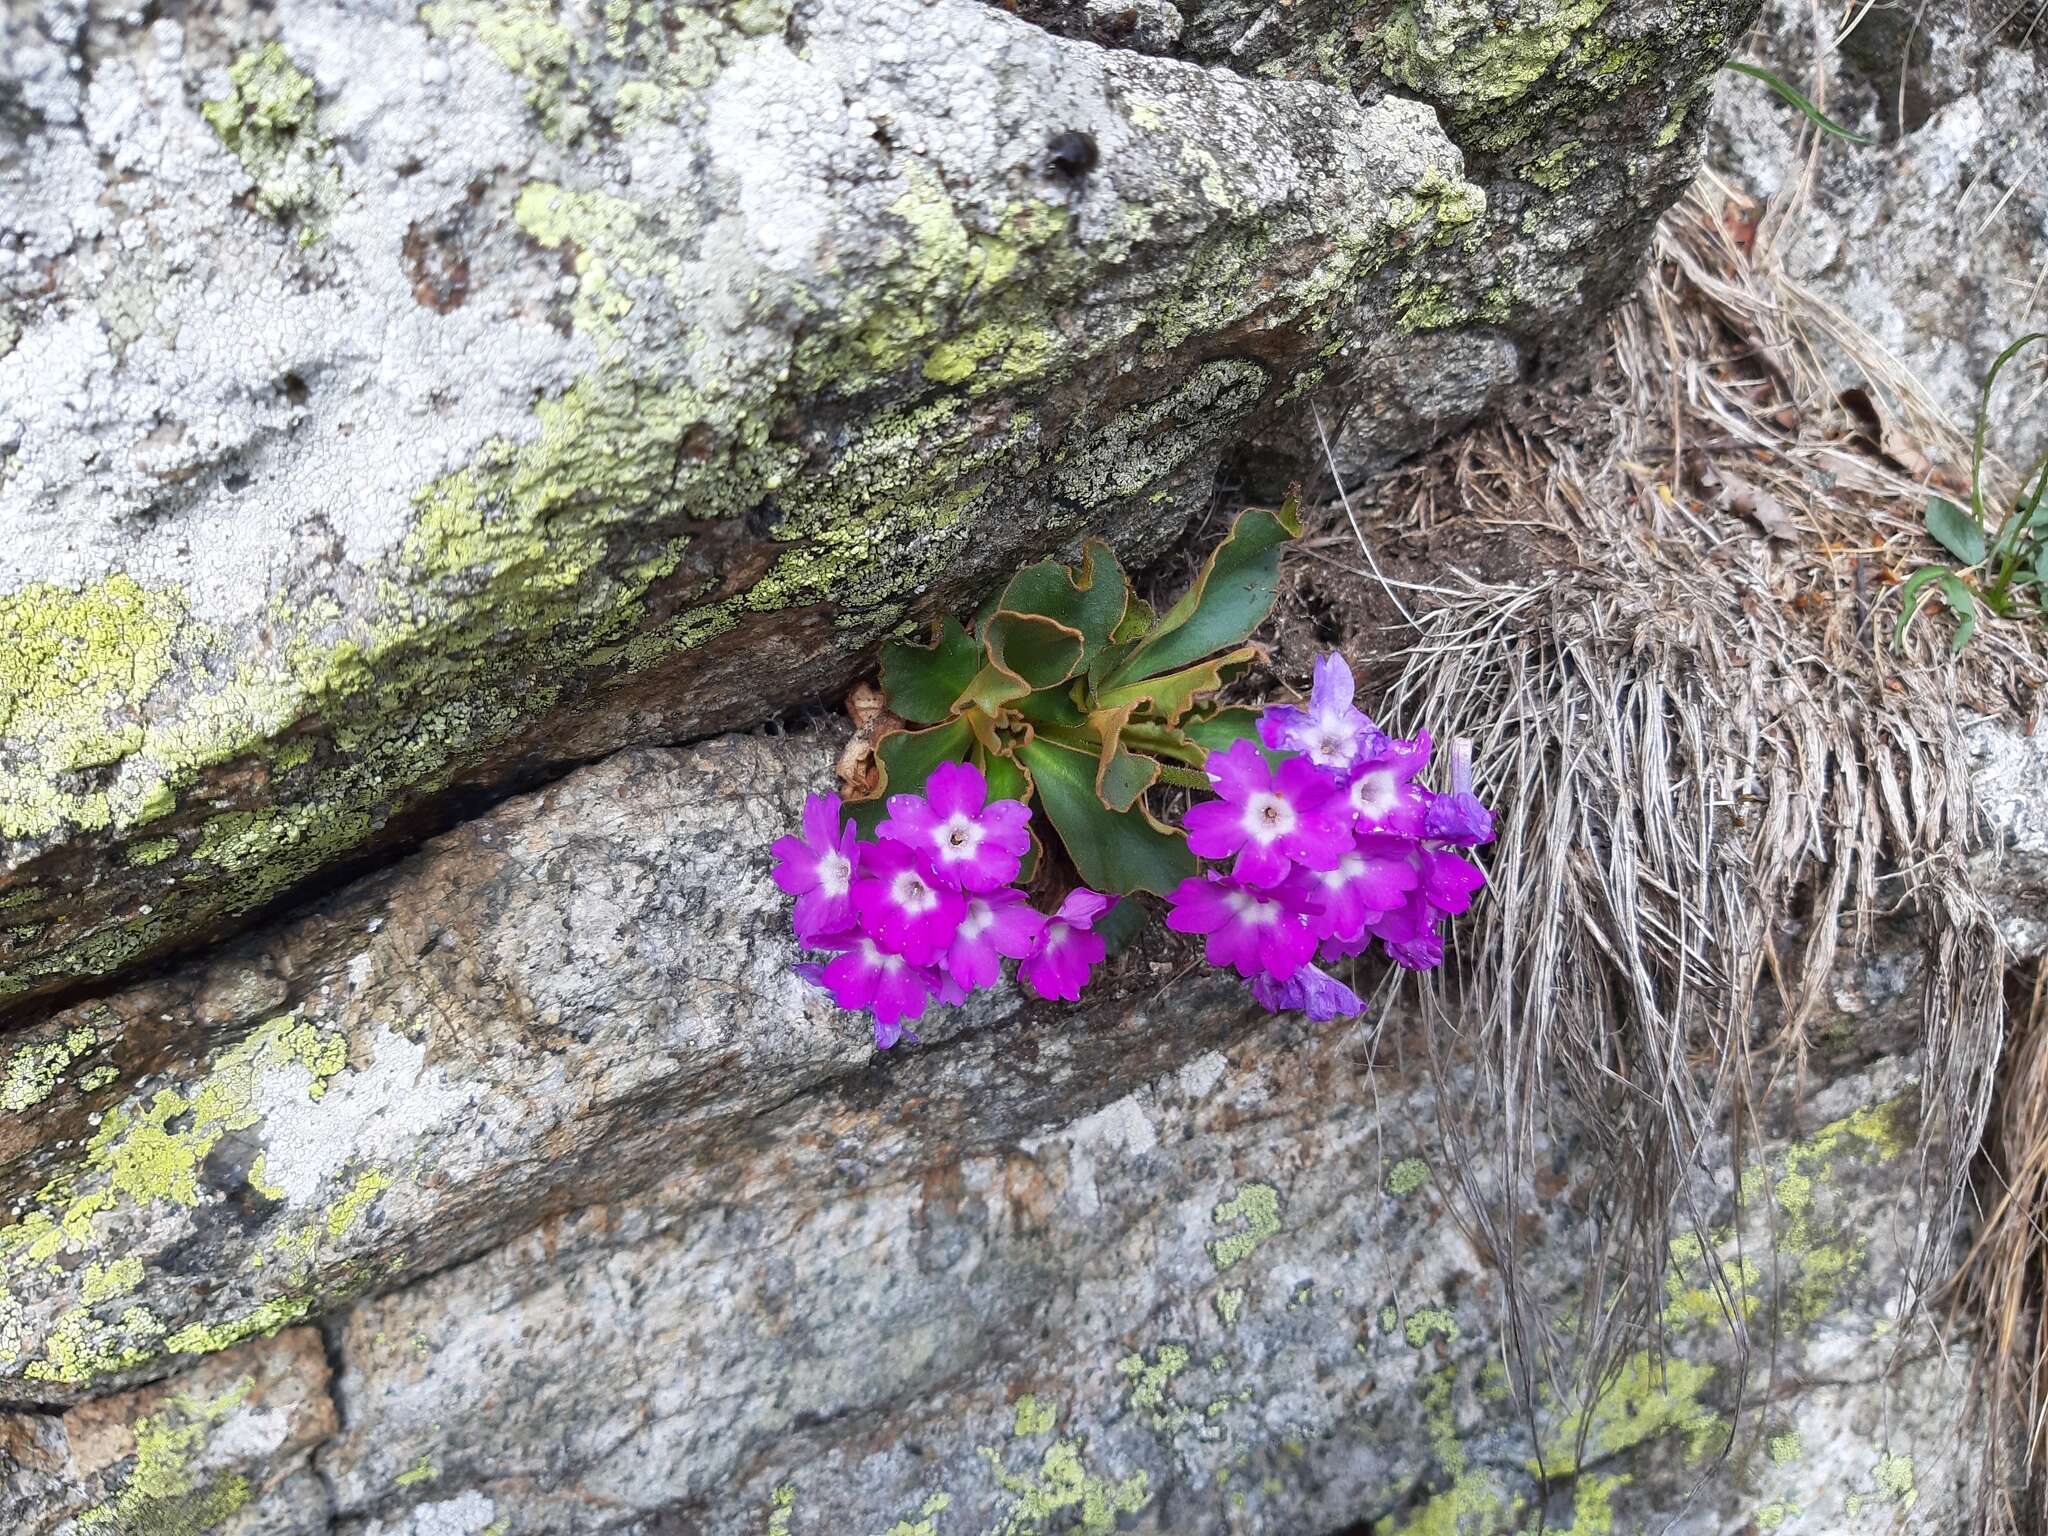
<point x="613" y="1226"/>
<point x="1930" y="240"/>
<point x="397" y="400"/>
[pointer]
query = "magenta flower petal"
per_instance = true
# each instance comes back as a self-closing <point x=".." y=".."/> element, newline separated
<point x="997" y="923"/>
<point x="819" y="869"/>
<point x="1082" y="907"/>
<point x="1449" y="882"/>
<point x="1268" y="817"/>
<point x="1249" y="929"/>
<point x="1458" y="817"/>
<point x="1363" y="883"/>
<point x="967" y="844"/>
<point x="900" y="905"/>
<point x="867" y="977"/>
<point x="1064" y="960"/>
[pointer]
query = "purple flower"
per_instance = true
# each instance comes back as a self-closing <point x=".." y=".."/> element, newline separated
<point x="997" y="924"/>
<point x="966" y="841"/>
<point x="1383" y="794"/>
<point x="1458" y="817"/>
<point x="1267" y="816"/>
<point x="1375" y="876"/>
<point x="1250" y="929"/>
<point x="1319" y="995"/>
<point x="1071" y="948"/>
<point x="1448" y="882"/>
<point x="818" y="870"/>
<point x="868" y="977"/>
<point x="901" y="907"/>
<point x="1410" y="934"/>
<point x="1329" y="731"/>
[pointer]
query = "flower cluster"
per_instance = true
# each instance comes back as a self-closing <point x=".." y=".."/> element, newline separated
<point x="931" y="907"/>
<point x="1332" y="844"/>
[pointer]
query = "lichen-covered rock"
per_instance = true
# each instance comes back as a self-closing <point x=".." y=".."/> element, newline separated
<point x="227" y="1448"/>
<point x="398" y="399"/>
<point x="615" y="1226"/>
<point x="1929" y="239"/>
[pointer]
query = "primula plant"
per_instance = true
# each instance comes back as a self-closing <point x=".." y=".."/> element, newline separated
<point x="1048" y="726"/>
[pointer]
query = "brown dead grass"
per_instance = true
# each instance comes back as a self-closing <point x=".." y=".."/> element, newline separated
<point x="1659" y="600"/>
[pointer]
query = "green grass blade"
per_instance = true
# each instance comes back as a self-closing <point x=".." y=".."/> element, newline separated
<point x="1791" y="93"/>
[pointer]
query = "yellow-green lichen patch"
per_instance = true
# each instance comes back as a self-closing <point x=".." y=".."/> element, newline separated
<point x="1258" y="1207"/>
<point x="153" y="1153"/>
<point x="34" y="1071"/>
<point x="1426" y="1323"/>
<point x="421" y="1471"/>
<point x="1064" y="1494"/>
<point x="161" y="1493"/>
<point x="74" y="670"/>
<point x="1034" y="1417"/>
<point x="1770" y="1516"/>
<point x="927" y="1514"/>
<point x="266" y="121"/>
<point x="1407" y="1176"/>
<point x="150" y="850"/>
<point x="781" y="1505"/>
<point x="1456" y="52"/>
<point x="1151" y="1382"/>
<point x="343" y="1213"/>
<point x="1230" y="1305"/>
<point x="1644" y="1399"/>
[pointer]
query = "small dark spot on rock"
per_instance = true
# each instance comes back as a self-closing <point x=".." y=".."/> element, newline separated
<point x="295" y="389"/>
<point x="437" y="265"/>
<point x="1072" y="154"/>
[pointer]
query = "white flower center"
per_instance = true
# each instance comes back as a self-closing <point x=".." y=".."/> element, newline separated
<point x="909" y="892"/>
<point x="1332" y="743"/>
<point x="1251" y="911"/>
<point x="979" y="919"/>
<point x="1267" y="817"/>
<point x="959" y="837"/>
<point x="1055" y="936"/>
<point x="835" y="874"/>
<point x="887" y="964"/>
<point x="1374" y="793"/>
<point x="1348" y="869"/>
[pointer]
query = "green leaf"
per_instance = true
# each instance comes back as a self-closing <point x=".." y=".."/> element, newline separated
<point x="1786" y="89"/>
<point x="1954" y="591"/>
<point x="907" y="759"/>
<point x="1230" y="598"/>
<point x="1173" y="695"/>
<point x="1217" y="732"/>
<point x="923" y="681"/>
<point x="1121" y="775"/>
<point x="1050" y="706"/>
<point x="2041" y="563"/>
<point x="1119" y="925"/>
<point x="1025" y="655"/>
<point x="1006" y="777"/>
<point x="1114" y="852"/>
<point x="1091" y="603"/>
<point x="1955" y="530"/>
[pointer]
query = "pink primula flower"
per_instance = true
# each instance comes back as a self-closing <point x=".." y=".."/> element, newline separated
<point x="967" y="841"/>
<point x="1255" y="931"/>
<point x="997" y="923"/>
<point x="1071" y="948"/>
<point x="905" y="910"/>
<point x="818" y="870"/>
<point x="1271" y="818"/>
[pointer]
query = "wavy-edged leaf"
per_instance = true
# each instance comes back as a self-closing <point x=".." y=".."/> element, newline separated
<point x="1121" y="775"/>
<point x="923" y="681"/>
<point x="1953" y="590"/>
<point x="1007" y="778"/>
<point x="907" y="759"/>
<point x="1231" y="596"/>
<point x="1955" y="530"/>
<point x="1050" y="706"/>
<point x="1026" y="654"/>
<point x="1171" y="696"/>
<point x="1090" y="601"/>
<point x="1115" y="852"/>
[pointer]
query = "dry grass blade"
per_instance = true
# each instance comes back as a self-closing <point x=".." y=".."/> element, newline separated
<point x="1718" y="780"/>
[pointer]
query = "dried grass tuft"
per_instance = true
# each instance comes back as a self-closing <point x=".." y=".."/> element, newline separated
<point x="1719" y="779"/>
